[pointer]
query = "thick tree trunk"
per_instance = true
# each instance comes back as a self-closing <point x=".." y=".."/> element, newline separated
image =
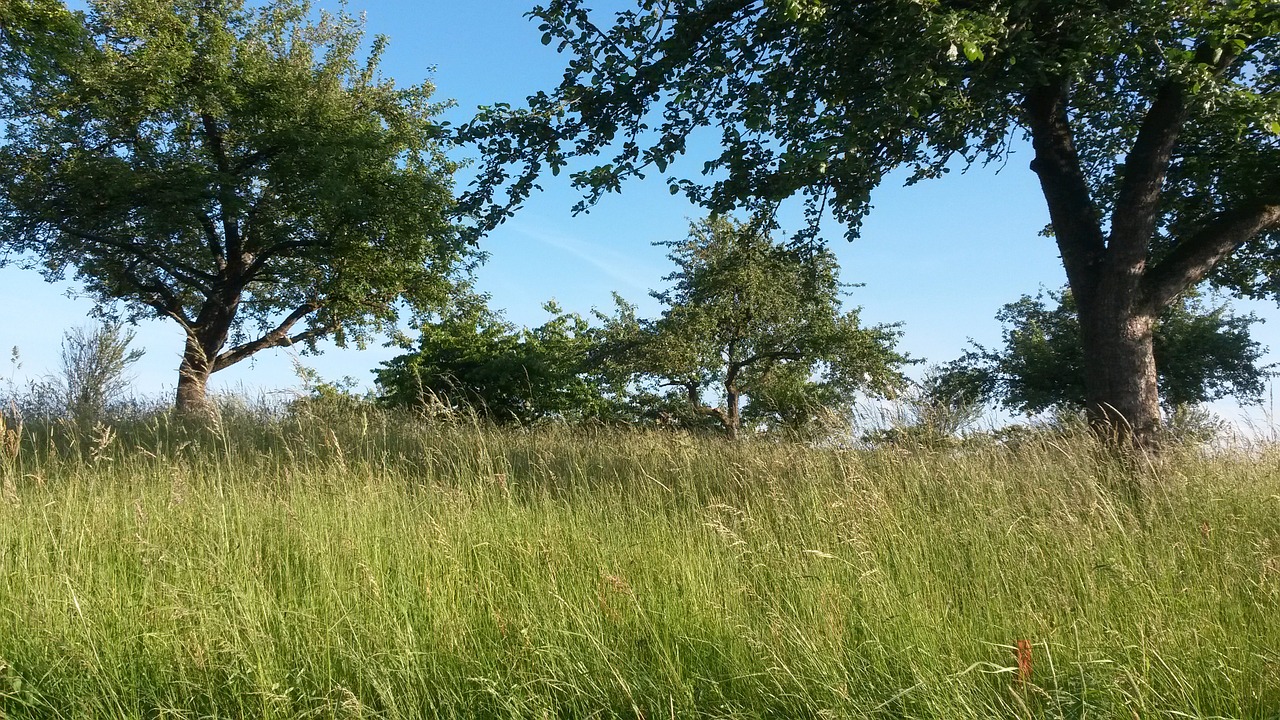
<point x="1122" y="394"/>
<point x="193" y="382"/>
<point x="1106" y="274"/>
<point x="733" y="418"/>
<point x="205" y="341"/>
<point x="1119" y="293"/>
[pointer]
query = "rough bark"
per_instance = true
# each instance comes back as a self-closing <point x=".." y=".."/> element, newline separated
<point x="1122" y="394"/>
<point x="207" y="336"/>
<point x="1105" y="273"/>
<point x="193" y="381"/>
<point x="1117" y="352"/>
<point x="205" y="339"/>
<point x="1118" y="294"/>
<point x="733" y="416"/>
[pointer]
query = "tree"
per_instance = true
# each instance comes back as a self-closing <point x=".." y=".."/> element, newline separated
<point x="238" y="171"/>
<point x="95" y="370"/>
<point x="753" y="322"/>
<point x="1155" y="127"/>
<point x="1203" y="352"/>
<point x="472" y="359"/>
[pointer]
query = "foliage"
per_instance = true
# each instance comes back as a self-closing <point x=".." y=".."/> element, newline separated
<point x="1204" y="352"/>
<point x="34" y="36"/>
<point x="746" y="317"/>
<point x="91" y="384"/>
<point x="824" y="98"/>
<point x="931" y="414"/>
<point x="237" y="170"/>
<point x="475" y="361"/>
<point x="94" y="371"/>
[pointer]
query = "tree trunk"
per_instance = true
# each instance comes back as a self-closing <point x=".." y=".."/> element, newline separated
<point x="205" y="340"/>
<point x="1118" y="291"/>
<point x="193" y="379"/>
<point x="1106" y="274"/>
<point x="1121" y="393"/>
<point x="193" y="382"/>
<point x="733" y="418"/>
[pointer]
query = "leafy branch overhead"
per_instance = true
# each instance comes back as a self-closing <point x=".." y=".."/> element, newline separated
<point x="824" y="98"/>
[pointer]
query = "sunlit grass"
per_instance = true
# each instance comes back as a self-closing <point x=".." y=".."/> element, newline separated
<point x="367" y="566"/>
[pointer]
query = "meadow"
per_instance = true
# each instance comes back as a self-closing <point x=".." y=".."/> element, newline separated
<point x="365" y="565"/>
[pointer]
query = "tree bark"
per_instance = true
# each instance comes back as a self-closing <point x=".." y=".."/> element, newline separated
<point x="1118" y="292"/>
<point x="193" y="381"/>
<point x="205" y="340"/>
<point x="1117" y="319"/>
<point x="1122" y="395"/>
<point x="207" y="336"/>
<point x="733" y="418"/>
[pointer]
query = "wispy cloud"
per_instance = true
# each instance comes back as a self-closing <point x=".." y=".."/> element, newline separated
<point x="619" y="266"/>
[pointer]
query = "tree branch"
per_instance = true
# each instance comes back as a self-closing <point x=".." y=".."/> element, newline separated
<point x="695" y="402"/>
<point x="1134" y="218"/>
<point x="263" y="256"/>
<point x="164" y="301"/>
<point x="279" y="337"/>
<point x="182" y="271"/>
<point x="1192" y="259"/>
<point x="212" y="240"/>
<point x="226" y="197"/>
<point x="1076" y="221"/>
<point x="251" y="160"/>
<point x="1136" y="213"/>
<point x="776" y="355"/>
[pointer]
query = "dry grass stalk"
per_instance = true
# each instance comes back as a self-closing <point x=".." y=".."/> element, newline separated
<point x="10" y="440"/>
<point x="1024" y="662"/>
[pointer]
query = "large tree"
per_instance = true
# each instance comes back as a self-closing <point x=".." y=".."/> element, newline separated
<point x="241" y="171"/>
<point x="1154" y="126"/>
<point x="748" y="321"/>
<point x="1203" y="352"/>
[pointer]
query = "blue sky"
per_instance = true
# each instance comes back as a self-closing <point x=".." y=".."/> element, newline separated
<point x="939" y="257"/>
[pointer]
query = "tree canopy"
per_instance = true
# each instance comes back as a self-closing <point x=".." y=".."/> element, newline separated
<point x="474" y="361"/>
<point x="824" y="97"/>
<point x="749" y="319"/>
<point x="239" y="170"/>
<point x="1204" y="352"/>
<point x="1155" y="128"/>
<point x="34" y="36"/>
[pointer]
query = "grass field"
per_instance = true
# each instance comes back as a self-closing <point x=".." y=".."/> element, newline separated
<point x="374" y="567"/>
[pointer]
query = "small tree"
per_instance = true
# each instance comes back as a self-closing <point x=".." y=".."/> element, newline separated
<point x="932" y="413"/>
<point x="749" y="318"/>
<point x="94" y="372"/>
<point x="1203" y="352"/>
<point x="474" y="360"/>
<point x="238" y="171"/>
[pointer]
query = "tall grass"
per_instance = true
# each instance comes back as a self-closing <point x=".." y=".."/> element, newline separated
<point x="364" y="565"/>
